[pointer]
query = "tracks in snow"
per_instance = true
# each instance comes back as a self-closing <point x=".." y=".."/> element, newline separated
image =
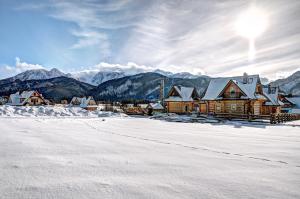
<point x="188" y="146"/>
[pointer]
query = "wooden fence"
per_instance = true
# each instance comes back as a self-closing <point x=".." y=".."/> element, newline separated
<point x="273" y="118"/>
<point x="283" y="117"/>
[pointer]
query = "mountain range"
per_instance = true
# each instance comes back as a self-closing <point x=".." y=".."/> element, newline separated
<point x="116" y="84"/>
<point x="56" y="88"/>
<point x="289" y="85"/>
<point x="94" y="77"/>
<point x="144" y="86"/>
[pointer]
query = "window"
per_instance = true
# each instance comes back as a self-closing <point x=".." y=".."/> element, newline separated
<point x="218" y="107"/>
<point x="233" y="107"/>
<point x="232" y="91"/>
<point x="34" y="101"/>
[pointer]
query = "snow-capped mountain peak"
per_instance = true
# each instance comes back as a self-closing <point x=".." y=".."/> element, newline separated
<point x="97" y="76"/>
<point x="184" y="75"/>
<point x="39" y="74"/>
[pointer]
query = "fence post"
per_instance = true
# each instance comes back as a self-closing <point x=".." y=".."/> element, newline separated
<point x="272" y="119"/>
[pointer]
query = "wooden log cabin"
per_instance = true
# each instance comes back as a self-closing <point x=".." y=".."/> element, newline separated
<point x="273" y="104"/>
<point x="26" y="98"/>
<point x="239" y="95"/>
<point x="182" y="100"/>
<point x="87" y="103"/>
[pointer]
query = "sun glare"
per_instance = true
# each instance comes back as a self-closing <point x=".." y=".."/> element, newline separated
<point x="251" y="23"/>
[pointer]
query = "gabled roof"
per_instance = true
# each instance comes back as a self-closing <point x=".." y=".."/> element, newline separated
<point x="15" y="99"/>
<point x="235" y="83"/>
<point x="156" y="106"/>
<point x="217" y="85"/>
<point x="294" y="100"/>
<point x="84" y="102"/>
<point x="76" y="98"/>
<point x="272" y="97"/>
<point x="184" y="94"/>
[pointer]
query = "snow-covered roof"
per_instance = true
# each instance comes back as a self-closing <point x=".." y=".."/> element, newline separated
<point x="217" y="85"/>
<point x="20" y="99"/>
<point x="294" y="100"/>
<point x="84" y="102"/>
<point x="295" y="110"/>
<point x="185" y="94"/>
<point x="143" y="105"/>
<point x="3" y="99"/>
<point x="26" y="94"/>
<point x="76" y="98"/>
<point x="272" y="96"/>
<point x="156" y="106"/>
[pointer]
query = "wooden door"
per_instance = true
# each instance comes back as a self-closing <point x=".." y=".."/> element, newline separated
<point x="256" y="108"/>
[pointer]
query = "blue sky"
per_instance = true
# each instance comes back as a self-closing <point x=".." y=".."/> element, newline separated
<point x="184" y="35"/>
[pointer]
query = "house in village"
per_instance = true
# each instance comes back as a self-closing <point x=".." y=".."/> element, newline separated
<point x="76" y="101"/>
<point x="3" y="100"/>
<point x="273" y="104"/>
<point x="155" y="108"/>
<point x="86" y="103"/>
<point x="291" y="104"/>
<point x="182" y="99"/>
<point x="239" y="95"/>
<point x="26" y="98"/>
<point x="64" y="101"/>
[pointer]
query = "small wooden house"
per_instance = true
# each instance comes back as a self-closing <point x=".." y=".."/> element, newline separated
<point x="26" y="98"/>
<point x="239" y="95"/>
<point x="292" y="104"/>
<point x="182" y="99"/>
<point x="144" y="106"/>
<point x="3" y="100"/>
<point x="273" y="103"/>
<point x="64" y="101"/>
<point x="76" y="101"/>
<point x="86" y="103"/>
<point x="155" y="108"/>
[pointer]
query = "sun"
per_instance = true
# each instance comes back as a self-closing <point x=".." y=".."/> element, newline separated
<point x="252" y="23"/>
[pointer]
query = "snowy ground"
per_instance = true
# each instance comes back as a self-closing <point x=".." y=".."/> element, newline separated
<point x="52" y="111"/>
<point x="124" y="157"/>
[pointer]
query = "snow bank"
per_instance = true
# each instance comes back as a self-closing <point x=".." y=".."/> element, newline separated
<point x="51" y="111"/>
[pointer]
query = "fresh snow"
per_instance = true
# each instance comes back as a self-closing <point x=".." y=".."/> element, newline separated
<point x="126" y="157"/>
<point x="53" y="111"/>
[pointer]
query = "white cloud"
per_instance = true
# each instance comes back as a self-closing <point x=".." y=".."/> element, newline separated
<point x="23" y="66"/>
<point x="184" y="35"/>
<point x="8" y="71"/>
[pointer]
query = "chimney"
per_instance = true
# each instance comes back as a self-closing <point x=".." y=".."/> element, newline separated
<point x="269" y="89"/>
<point x="245" y="78"/>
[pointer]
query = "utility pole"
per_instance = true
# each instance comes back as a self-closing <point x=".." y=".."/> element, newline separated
<point x="162" y="91"/>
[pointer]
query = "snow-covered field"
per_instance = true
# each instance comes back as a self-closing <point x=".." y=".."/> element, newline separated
<point x="125" y="157"/>
<point x="52" y="111"/>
